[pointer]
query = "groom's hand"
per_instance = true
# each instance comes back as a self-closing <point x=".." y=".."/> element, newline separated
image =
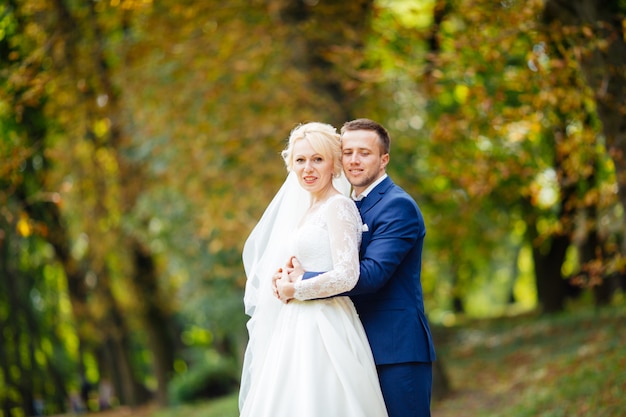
<point x="296" y="271"/>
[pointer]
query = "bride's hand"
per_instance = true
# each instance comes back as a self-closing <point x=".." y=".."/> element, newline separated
<point x="285" y="289"/>
<point x="275" y="278"/>
<point x="296" y="271"/>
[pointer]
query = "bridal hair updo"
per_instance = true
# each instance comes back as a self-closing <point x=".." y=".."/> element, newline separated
<point x="323" y="138"/>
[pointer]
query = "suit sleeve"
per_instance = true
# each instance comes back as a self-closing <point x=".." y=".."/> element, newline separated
<point x="395" y="232"/>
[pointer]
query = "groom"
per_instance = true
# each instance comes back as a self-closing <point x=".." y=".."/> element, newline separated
<point x="388" y="295"/>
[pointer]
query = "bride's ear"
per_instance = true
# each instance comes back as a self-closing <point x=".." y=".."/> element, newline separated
<point x="337" y="170"/>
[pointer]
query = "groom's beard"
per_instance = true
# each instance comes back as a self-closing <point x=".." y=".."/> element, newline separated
<point x="360" y="181"/>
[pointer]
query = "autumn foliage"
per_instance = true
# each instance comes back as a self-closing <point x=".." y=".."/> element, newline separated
<point x="140" y="143"/>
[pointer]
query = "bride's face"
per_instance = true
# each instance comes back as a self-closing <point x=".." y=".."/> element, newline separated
<point x="314" y="170"/>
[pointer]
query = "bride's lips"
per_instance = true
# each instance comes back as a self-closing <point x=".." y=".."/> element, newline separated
<point x="309" y="179"/>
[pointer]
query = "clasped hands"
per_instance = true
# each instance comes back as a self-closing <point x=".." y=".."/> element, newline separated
<point x="283" y="281"/>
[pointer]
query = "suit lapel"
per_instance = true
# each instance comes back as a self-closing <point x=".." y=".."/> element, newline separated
<point x="375" y="195"/>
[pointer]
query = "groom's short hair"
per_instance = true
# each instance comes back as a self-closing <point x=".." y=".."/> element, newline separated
<point x="367" y="124"/>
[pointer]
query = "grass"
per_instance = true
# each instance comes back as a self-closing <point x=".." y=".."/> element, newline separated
<point x="570" y="365"/>
<point x="222" y="407"/>
<point x="567" y="365"/>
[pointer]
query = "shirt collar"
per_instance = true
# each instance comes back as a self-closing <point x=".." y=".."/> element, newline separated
<point x="368" y="189"/>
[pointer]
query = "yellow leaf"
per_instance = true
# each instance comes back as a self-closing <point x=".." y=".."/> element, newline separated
<point x="23" y="226"/>
<point x="101" y="127"/>
<point x="461" y="91"/>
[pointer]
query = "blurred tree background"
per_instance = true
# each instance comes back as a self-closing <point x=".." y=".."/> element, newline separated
<point x="140" y="143"/>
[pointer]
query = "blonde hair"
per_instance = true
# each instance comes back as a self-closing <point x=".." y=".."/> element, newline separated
<point x="322" y="137"/>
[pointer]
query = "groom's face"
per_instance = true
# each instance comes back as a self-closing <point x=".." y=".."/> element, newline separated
<point x="362" y="158"/>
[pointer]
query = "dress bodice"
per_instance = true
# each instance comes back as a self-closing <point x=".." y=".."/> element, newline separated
<point x="328" y="240"/>
<point x="313" y="244"/>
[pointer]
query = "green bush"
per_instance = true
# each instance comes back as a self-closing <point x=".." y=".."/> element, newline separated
<point x="204" y="380"/>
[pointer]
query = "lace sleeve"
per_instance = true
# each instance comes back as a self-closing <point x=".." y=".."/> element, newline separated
<point x="344" y="230"/>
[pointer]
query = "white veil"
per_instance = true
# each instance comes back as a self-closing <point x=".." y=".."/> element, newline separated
<point x="267" y="248"/>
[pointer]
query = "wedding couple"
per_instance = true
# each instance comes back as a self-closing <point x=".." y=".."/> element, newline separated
<point x="349" y="337"/>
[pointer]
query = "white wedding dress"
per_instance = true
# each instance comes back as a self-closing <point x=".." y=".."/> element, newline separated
<point x="312" y="358"/>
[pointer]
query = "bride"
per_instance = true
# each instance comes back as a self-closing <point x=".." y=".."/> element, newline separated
<point x="307" y="358"/>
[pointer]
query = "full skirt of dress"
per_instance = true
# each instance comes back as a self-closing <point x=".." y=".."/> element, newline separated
<point x="317" y="364"/>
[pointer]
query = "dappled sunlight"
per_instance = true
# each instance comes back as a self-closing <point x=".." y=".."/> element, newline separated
<point x="500" y="367"/>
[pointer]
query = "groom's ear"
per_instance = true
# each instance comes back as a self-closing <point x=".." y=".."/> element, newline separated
<point x="384" y="160"/>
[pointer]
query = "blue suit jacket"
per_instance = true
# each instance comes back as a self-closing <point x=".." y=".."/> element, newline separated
<point x="388" y="295"/>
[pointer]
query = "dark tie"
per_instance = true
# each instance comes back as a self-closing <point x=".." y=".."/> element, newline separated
<point x="359" y="203"/>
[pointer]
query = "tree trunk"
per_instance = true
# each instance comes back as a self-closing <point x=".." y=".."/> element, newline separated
<point x="457" y="291"/>
<point x="322" y="33"/>
<point x="145" y="277"/>
<point x="8" y="335"/>
<point x="156" y="318"/>
<point x="114" y="348"/>
<point x="604" y="67"/>
<point x="155" y="309"/>
<point x="551" y="287"/>
<point x="47" y="213"/>
<point x="549" y="255"/>
<point x="593" y="256"/>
